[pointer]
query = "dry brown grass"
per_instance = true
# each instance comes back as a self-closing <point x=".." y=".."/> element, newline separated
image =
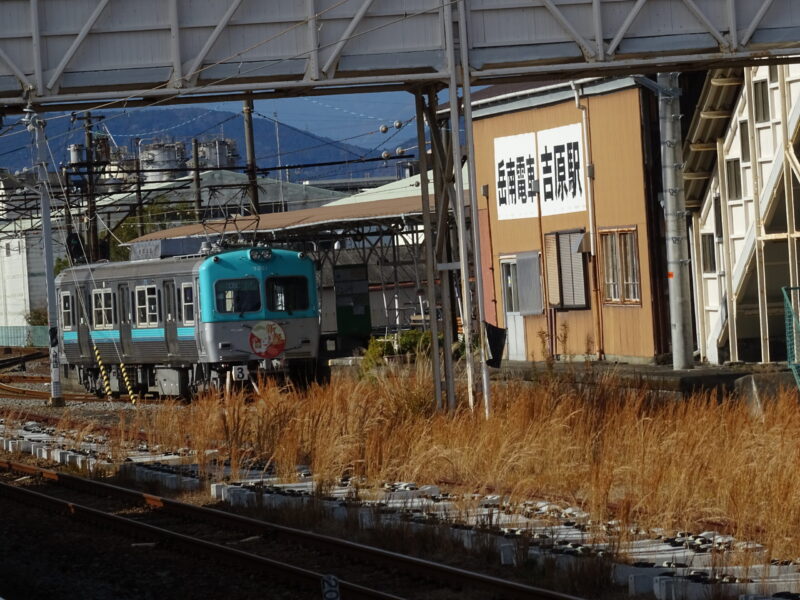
<point x="701" y="463"/>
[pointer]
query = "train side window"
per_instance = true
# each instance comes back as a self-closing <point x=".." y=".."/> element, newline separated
<point x="67" y="314"/>
<point x="287" y="294"/>
<point x="103" y="308"/>
<point x="187" y="303"/>
<point x="146" y="306"/>
<point x="237" y="295"/>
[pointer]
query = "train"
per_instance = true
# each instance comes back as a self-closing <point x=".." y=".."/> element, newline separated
<point x="177" y="325"/>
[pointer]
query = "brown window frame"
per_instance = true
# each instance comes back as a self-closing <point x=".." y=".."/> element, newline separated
<point x="620" y="267"/>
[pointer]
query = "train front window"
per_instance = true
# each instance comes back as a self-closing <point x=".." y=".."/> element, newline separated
<point x="237" y="295"/>
<point x="287" y="294"/>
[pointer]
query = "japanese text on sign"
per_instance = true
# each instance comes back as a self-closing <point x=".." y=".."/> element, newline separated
<point x="554" y="157"/>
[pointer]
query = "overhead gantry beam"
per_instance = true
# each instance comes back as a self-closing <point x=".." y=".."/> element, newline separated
<point x="158" y="52"/>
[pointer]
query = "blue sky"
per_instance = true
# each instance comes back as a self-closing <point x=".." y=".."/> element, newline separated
<point x="337" y="116"/>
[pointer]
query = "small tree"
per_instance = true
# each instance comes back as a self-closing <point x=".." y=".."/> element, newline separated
<point x="36" y="316"/>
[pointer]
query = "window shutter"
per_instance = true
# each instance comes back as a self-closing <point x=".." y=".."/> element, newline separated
<point x="567" y="284"/>
<point x="529" y="284"/>
<point x="573" y="282"/>
<point x="551" y="261"/>
<point x="576" y="265"/>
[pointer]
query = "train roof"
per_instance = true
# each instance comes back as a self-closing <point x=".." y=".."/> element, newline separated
<point x="176" y="265"/>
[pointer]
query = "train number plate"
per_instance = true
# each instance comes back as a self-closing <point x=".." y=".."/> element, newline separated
<point x="240" y="372"/>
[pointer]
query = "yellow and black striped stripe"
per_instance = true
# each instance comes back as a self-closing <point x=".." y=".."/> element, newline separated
<point x="131" y="395"/>
<point x="103" y="372"/>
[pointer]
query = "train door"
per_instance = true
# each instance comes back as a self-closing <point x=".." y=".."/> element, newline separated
<point x="170" y="318"/>
<point x="84" y="314"/>
<point x="125" y="320"/>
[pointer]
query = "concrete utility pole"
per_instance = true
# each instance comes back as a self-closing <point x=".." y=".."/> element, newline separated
<point x="250" y="149"/>
<point x="674" y="204"/>
<point x="36" y="127"/>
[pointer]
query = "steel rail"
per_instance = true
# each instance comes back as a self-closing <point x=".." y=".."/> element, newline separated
<point x="445" y="574"/>
<point x="137" y="528"/>
<point x="8" y="391"/>
<point x="16" y="360"/>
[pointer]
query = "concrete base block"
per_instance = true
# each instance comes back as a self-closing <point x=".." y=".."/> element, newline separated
<point x="759" y="389"/>
<point x="508" y="554"/>
<point x="226" y="492"/>
<point x="190" y="484"/>
<point x="25" y="446"/>
<point x="639" y="584"/>
<point x="339" y="513"/>
<point x="241" y="497"/>
<point x="42" y="453"/>
<point x="217" y="491"/>
<point x="72" y="459"/>
<point x="170" y="481"/>
<point x="664" y="588"/>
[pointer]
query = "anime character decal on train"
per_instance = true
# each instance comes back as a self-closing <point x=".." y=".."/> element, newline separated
<point x="184" y="323"/>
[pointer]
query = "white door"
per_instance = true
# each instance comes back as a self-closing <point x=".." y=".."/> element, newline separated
<point x="515" y="324"/>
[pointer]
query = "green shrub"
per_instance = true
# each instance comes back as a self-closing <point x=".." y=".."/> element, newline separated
<point x="414" y="341"/>
<point x="376" y="350"/>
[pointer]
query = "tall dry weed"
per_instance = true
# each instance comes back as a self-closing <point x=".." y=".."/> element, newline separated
<point x="704" y="462"/>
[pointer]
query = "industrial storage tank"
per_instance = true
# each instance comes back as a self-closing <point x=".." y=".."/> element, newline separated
<point x="162" y="155"/>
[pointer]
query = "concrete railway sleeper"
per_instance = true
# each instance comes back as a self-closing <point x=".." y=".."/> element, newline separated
<point x="410" y="568"/>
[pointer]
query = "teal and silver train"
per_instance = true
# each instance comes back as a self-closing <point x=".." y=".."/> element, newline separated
<point x="173" y="326"/>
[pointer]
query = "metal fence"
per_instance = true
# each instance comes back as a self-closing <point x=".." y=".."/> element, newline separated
<point x="24" y="335"/>
<point x="791" y="305"/>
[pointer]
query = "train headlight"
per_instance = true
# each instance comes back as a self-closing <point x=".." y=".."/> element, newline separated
<point x="260" y="254"/>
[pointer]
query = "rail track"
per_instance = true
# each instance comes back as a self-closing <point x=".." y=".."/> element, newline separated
<point x="270" y="548"/>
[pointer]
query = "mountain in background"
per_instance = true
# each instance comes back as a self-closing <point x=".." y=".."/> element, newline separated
<point x="125" y="127"/>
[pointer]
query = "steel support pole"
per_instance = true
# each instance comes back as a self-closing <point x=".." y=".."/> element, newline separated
<point x="440" y="192"/>
<point x="91" y="211"/>
<point x="250" y="149"/>
<point x="458" y="205"/>
<point x="198" y="201"/>
<point x="36" y="127"/>
<point x="675" y="218"/>
<point x="473" y="205"/>
<point x="139" y="201"/>
<point x="430" y="260"/>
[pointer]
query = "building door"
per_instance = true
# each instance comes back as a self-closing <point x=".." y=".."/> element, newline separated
<point x="170" y="318"/>
<point x="515" y="323"/>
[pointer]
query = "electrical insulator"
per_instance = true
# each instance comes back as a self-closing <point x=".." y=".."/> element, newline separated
<point x="383" y="128"/>
<point x="398" y="124"/>
<point x="385" y="154"/>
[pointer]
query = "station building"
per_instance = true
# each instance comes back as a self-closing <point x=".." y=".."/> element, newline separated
<point x="568" y="179"/>
<point x="744" y="194"/>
